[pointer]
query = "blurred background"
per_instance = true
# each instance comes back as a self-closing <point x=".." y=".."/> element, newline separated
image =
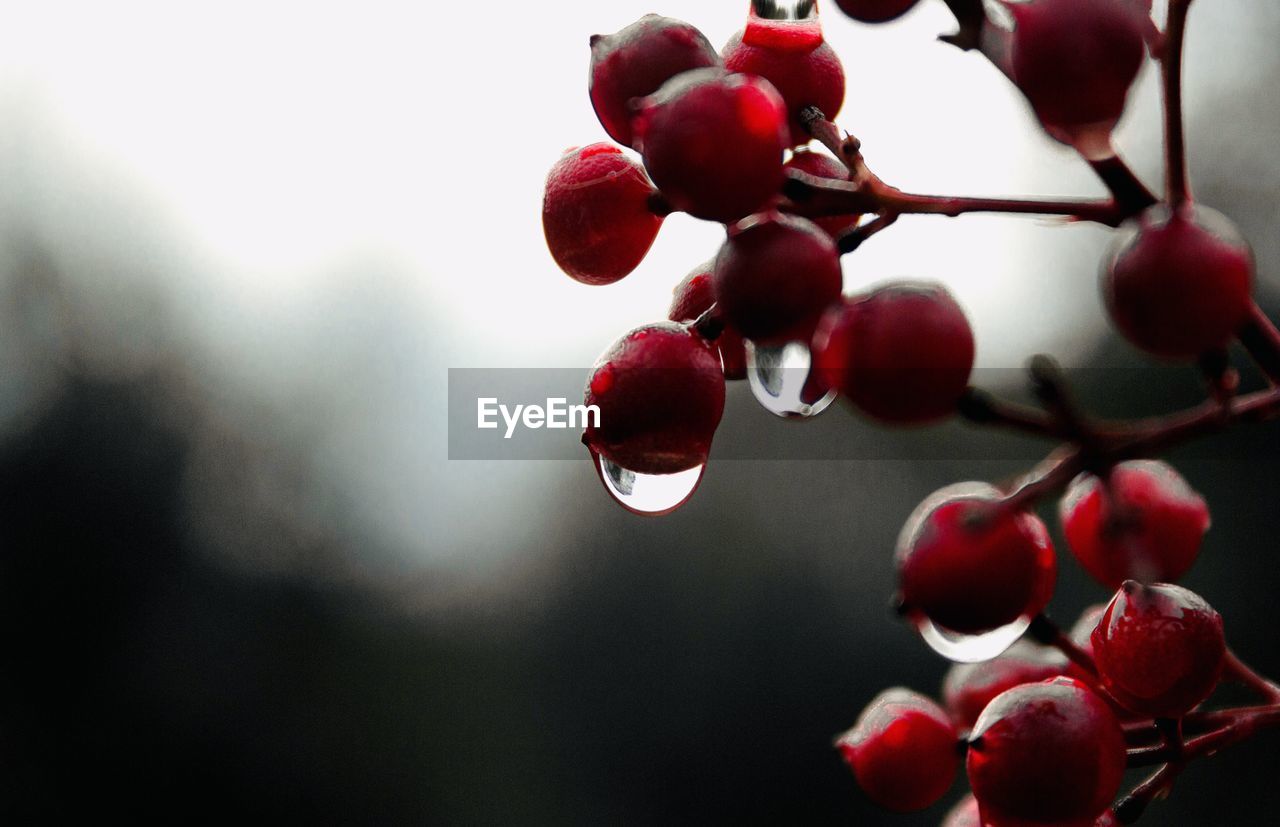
<point x="240" y="247"/>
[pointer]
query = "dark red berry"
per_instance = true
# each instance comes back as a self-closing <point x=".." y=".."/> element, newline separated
<point x="660" y="391"/>
<point x="794" y="57"/>
<point x="774" y="276"/>
<point x="695" y="295"/>
<point x="965" y="814"/>
<point x="713" y="142"/>
<point x="902" y="750"/>
<point x="637" y="60"/>
<point x="1181" y="283"/>
<point x="1044" y="754"/>
<point x="1159" y="649"/>
<point x="1075" y="61"/>
<point x="596" y="215"/>
<point x="1081" y="635"/>
<point x="969" y="687"/>
<point x="901" y="353"/>
<point x="875" y="11"/>
<point x="970" y="564"/>
<point x="821" y="165"/>
<point x="1144" y="523"/>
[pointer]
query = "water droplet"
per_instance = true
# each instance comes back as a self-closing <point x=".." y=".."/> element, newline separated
<point x="647" y="494"/>
<point x="963" y="648"/>
<point x="780" y="381"/>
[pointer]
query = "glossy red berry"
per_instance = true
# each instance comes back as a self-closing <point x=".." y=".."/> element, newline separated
<point x="635" y="61"/>
<point x="596" y="215"/>
<point x="903" y="750"/>
<point x="1145" y="523"/>
<point x="971" y="565"/>
<point x="660" y="391"/>
<point x="1044" y="754"/>
<point x="1181" y="283"/>
<point x="774" y="276"/>
<point x="794" y="57"/>
<point x="1159" y="649"/>
<point x="713" y="142"/>
<point x="1075" y="61"/>
<point x="901" y="353"/>
<point x="965" y="814"/>
<point x="821" y="165"/>
<point x="969" y="687"/>
<point x="695" y="295"/>
<point x="875" y="11"/>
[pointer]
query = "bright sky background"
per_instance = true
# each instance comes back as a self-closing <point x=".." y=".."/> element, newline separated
<point x="285" y="144"/>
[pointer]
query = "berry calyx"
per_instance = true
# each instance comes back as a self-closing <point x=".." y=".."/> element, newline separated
<point x="1159" y="649"/>
<point x="774" y="276"/>
<point x="902" y="750"/>
<point x="635" y="61"/>
<point x="969" y="687"/>
<point x="660" y="391"/>
<point x="901" y="353"/>
<point x="596" y="214"/>
<point x="1075" y="61"/>
<point x="695" y="295"/>
<point x="821" y="165"/>
<point x="971" y="565"/>
<point x="1144" y="523"/>
<point x="1048" y="753"/>
<point x="792" y="55"/>
<point x="1182" y="283"/>
<point x="713" y="142"/>
<point x="875" y="11"/>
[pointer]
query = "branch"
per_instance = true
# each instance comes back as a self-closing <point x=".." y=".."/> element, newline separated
<point x="1177" y="190"/>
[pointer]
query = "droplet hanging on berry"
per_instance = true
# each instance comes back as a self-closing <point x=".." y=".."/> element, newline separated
<point x="636" y="61"/>
<point x="596" y="214"/>
<point x="649" y="495"/>
<point x="875" y="11"/>
<point x="783" y="382"/>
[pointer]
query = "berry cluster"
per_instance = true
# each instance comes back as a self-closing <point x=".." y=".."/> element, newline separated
<point x="1045" y="722"/>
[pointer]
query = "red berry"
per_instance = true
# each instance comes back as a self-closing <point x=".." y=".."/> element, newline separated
<point x="660" y="391"/>
<point x="774" y="276"/>
<point x="636" y="61"/>
<point x="875" y="11"/>
<point x="970" y="564"/>
<point x="713" y="142"/>
<point x="694" y="296"/>
<point x="792" y="55"/>
<point x="596" y="216"/>
<point x="1046" y="753"/>
<point x="1145" y="523"/>
<point x="1081" y="635"/>
<point x="1075" y="61"/>
<point x="902" y="750"/>
<point x="969" y="687"/>
<point x="1159" y="649"/>
<point x="1181" y="284"/>
<point x="965" y="814"/>
<point x="901" y="353"/>
<point x="821" y="165"/>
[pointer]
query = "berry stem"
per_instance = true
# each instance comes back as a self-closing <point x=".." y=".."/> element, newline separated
<point x="970" y="17"/>
<point x="1047" y="632"/>
<point x="853" y="239"/>
<point x="1261" y="339"/>
<point x="1177" y="190"/>
<point x="1240" y="672"/>
<point x="983" y="408"/>
<point x="1130" y="195"/>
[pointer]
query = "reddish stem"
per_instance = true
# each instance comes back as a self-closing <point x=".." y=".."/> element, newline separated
<point x="1178" y="191"/>
<point x="1240" y="672"/>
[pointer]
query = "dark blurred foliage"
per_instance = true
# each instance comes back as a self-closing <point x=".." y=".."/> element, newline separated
<point x="178" y="650"/>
